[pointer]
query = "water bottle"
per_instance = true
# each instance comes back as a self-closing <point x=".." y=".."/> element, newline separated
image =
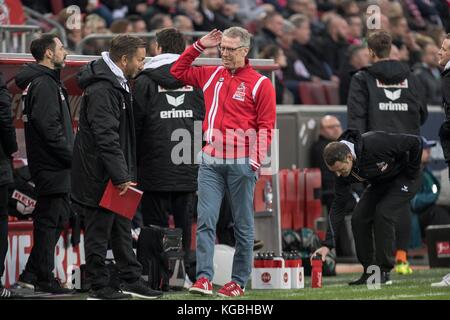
<point x="268" y="196"/>
<point x="316" y="273"/>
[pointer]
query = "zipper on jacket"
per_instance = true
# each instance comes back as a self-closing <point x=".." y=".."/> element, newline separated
<point x="357" y="177"/>
<point x="223" y="107"/>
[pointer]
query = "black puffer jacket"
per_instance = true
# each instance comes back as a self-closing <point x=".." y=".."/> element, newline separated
<point x="164" y="105"/>
<point x="48" y="128"/>
<point x="105" y="143"/>
<point x="380" y="158"/>
<point x="8" y="144"/>
<point x="387" y="97"/>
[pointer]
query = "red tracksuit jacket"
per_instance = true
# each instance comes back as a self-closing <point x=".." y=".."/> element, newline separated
<point x="241" y="102"/>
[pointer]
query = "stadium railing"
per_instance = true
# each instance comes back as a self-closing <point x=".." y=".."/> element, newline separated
<point x="145" y="35"/>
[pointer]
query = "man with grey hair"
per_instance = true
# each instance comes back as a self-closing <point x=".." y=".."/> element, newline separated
<point x="240" y="108"/>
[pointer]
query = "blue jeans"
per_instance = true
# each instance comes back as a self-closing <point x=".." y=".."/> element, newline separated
<point x="215" y="177"/>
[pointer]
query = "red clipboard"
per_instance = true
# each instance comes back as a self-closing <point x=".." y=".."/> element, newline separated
<point x="123" y="205"/>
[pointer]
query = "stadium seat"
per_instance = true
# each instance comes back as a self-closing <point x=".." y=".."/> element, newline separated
<point x="312" y="93"/>
<point x="298" y="219"/>
<point x="313" y="208"/>
<point x="285" y="214"/>
<point x="331" y="92"/>
<point x="292" y="203"/>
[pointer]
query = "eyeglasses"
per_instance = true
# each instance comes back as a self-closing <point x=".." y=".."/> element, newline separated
<point x="231" y="50"/>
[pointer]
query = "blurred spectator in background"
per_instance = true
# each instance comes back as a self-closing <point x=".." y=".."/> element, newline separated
<point x="404" y="39"/>
<point x="43" y="6"/>
<point x="210" y="53"/>
<point x="213" y="17"/>
<point x="358" y="57"/>
<point x="437" y="34"/>
<point x="137" y="7"/>
<point x="121" y="26"/>
<point x="138" y="23"/>
<point x="347" y="8"/>
<point x="431" y="204"/>
<point x="308" y="8"/>
<point x="394" y="54"/>
<point x="271" y="31"/>
<point x="398" y="27"/>
<point x="429" y="74"/>
<point x="159" y="21"/>
<point x="166" y="7"/>
<point x="333" y="45"/>
<point x="307" y="53"/>
<point x="94" y="24"/>
<point x="296" y="69"/>
<point x="283" y="95"/>
<point x="330" y="130"/>
<point x="183" y="23"/>
<point x="73" y="31"/>
<point x="355" y="26"/>
<point x="250" y="10"/>
<point x="190" y="8"/>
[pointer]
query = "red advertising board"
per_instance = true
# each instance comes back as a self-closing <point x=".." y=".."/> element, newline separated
<point x="20" y="243"/>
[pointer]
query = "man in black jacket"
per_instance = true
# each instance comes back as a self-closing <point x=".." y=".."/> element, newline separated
<point x="8" y="146"/>
<point x="166" y="169"/>
<point x="390" y="165"/>
<point x="49" y="143"/>
<point x="385" y="96"/>
<point x="105" y="150"/>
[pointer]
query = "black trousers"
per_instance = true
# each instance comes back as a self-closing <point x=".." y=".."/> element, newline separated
<point x="403" y="231"/>
<point x="50" y="216"/>
<point x="3" y="227"/>
<point x="103" y="227"/>
<point x="374" y="219"/>
<point x="156" y="207"/>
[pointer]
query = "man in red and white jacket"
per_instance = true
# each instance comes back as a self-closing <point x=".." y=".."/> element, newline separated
<point x="240" y="116"/>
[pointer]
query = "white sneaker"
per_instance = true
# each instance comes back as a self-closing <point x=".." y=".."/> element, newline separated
<point x="445" y="282"/>
<point x="187" y="283"/>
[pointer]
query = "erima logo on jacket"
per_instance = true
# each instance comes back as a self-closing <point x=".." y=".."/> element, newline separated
<point x="176" y="102"/>
<point x="393" y="96"/>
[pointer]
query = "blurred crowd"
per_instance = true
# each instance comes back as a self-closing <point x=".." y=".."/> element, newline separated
<point x="312" y="40"/>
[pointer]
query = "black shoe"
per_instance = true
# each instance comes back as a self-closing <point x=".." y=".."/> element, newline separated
<point x="53" y="286"/>
<point x="140" y="289"/>
<point x="385" y="278"/>
<point x="107" y="293"/>
<point x="258" y="245"/>
<point x="362" y="280"/>
<point x="27" y="280"/>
